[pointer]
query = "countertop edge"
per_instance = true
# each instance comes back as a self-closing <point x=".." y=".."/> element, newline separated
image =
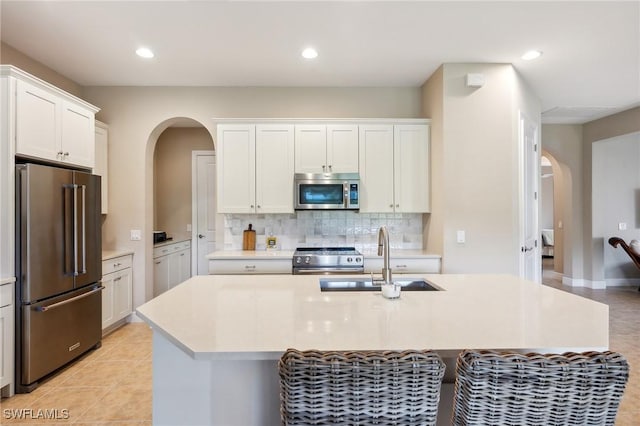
<point x="111" y="254"/>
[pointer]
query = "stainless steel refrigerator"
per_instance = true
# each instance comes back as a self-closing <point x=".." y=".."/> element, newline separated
<point x="58" y="267"/>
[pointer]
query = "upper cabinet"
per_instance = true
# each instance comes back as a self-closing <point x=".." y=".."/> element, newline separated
<point x="255" y="168"/>
<point x="329" y="148"/>
<point x="394" y="168"/>
<point x="102" y="166"/>
<point x="49" y="124"/>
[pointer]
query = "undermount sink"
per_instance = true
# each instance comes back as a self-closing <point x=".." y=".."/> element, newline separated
<point x="365" y="284"/>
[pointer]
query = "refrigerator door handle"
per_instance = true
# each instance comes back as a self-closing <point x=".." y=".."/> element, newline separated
<point x="64" y="302"/>
<point x="75" y="229"/>
<point x="83" y="189"/>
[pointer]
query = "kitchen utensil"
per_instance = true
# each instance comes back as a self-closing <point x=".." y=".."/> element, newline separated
<point x="249" y="239"/>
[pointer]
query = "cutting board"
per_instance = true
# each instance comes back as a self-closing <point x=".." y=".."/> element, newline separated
<point x="249" y="239"/>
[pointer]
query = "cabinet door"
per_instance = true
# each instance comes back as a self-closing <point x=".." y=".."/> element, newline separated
<point x="78" y="135"/>
<point x="122" y="294"/>
<point x="175" y="274"/>
<point x="37" y="123"/>
<point x="108" y="314"/>
<point x="101" y="165"/>
<point x="411" y="168"/>
<point x="7" y="339"/>
<point x="376" y="169"/>
<point x="274" y="168"/>
<point x="311" y="149"/>
<point x="184" y="258"/>
<point x="160" y="275"/>
<point x="236" y="168"/>
<point x="342" y="148"/>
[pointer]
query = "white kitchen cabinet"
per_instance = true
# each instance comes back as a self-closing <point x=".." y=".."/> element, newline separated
<point x="250" y="266"/>
<point x="117" y="295"/>
<point x="102" y="165"/>
<point x="7" y="338"/>
<point x="394" y="168"/>
<point x="255" y="168"/>
<point x="329" y="148"/>
<point x="50" y="124"/>
<point x="171" y="265"/>
<point x="400" y="264"/>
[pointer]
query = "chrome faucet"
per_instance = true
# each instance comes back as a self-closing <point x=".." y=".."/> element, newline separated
<point x="383" y="250"/>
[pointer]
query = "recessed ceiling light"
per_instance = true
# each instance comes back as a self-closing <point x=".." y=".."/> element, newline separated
<point x="309" y="53"/>
<point x="144" y="52"/>
<point x="532" y="54"/>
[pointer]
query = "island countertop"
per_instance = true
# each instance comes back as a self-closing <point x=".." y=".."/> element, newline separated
<point x="255" y="317"/>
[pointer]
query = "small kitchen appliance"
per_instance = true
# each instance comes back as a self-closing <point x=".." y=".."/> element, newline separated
<point x="327" y="260"/>
<point x="327" y="191"/>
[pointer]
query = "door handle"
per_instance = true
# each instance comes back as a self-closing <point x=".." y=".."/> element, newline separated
<point x="64" y="302"/>
<point x="525" y="249"/>
<point x="200" y="236"/>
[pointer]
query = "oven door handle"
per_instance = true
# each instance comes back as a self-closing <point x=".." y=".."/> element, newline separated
<point x="326" y="271"/>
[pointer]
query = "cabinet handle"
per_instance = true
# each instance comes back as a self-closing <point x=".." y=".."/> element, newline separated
<point x="66" y="154"/>
<point x="117" y="279"/>
<point x="391" y="205"/>
<point x="158" y="262"/>
<point x="249" y="266"/>
<point x="401" y="266"/>
<point x="251" y="206"/>
<point x="259" y="206"/>
<point x="181" y="254"/>
<point x="115" y="265"/>
<point x="330" y="166"/>
<point x="60" y="154"/>
<point x="324" y="167"/>
<point x="397" y="205"/>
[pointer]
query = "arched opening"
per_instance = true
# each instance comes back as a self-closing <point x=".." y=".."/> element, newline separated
<point x="168" y="183"/>
<point x="556" y="217"/>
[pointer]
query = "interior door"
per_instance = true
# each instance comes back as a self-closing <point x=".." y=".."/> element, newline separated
<point x="204" y="198"/>
<point x="530" y="258"/>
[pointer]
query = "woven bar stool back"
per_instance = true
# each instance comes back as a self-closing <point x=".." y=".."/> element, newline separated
<point x="360" y="387"/>
<point x="534" y="389"/>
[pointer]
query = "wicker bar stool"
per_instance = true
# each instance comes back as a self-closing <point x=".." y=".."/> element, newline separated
<point x="360" y="387"/>
<point x="515" y="389"/>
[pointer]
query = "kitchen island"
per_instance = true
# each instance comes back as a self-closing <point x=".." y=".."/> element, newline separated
<point x="217" y="339"/>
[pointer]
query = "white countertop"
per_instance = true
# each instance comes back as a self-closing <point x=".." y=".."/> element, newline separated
<point x="169" y="242"/>
<point x="260" y="316"/>
<point x="110" y="254"/>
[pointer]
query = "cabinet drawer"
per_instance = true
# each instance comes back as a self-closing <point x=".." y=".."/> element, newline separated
<point x="116" y="264"/>
<point x="258" y="266"/>
<point x="6" y="294"/>
<point x="171" y="248"/>
<point x="416" y="265"/>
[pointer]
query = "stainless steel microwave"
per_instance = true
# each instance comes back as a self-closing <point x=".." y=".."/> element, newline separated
<point x="327" y="191"/>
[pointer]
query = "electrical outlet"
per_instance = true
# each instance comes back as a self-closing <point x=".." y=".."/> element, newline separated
<point x="188" y="227"/>
<point x="460" y="237"/>
<point x="622" y="226"/>
<point x="136" y="235"/>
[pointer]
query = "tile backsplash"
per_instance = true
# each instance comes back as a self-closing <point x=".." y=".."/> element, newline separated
<point x="325" y="229"/>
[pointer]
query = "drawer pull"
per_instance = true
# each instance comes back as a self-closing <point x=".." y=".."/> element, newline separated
<point x="250" y="267"/>
<point x="401" y="266"/>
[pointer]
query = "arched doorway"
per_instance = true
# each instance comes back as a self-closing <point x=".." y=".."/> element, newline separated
<point x="168" y="182"/>
<point x="556" y="217"/>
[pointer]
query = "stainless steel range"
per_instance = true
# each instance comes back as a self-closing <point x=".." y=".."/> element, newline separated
<point x="327" y="260"/>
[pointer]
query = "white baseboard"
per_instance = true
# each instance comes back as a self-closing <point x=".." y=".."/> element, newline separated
<point x="623" y="282"/>
<point x="579" y="282"/>
<point x="554" y="275"/>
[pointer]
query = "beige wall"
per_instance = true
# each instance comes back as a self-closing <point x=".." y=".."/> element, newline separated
<point x="172" y="181"/>
<point x="476" y="165"/>
<point x="432" y="107"/>
<point x="563" y="145"/>
<point x="11" y="56"/>
<point x="623" y="123"/>
<point x="138" y="115"/>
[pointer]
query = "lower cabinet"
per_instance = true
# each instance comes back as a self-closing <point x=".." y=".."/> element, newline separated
<point x="404" y="265"/>
<point x="250" y="266"/>
<point x="171" y="265"/>
<point x="7" y="338"/>
<point x="118" y="290"/>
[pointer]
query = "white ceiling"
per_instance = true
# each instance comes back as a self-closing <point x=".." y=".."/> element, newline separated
<point x="590" y="66"/>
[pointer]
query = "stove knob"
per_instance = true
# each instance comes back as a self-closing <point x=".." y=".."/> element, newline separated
<point x="349" y="259"/>
<point x="307" y="259"/>
<point x="298" y="259"/>
<point x="358" y="260"/>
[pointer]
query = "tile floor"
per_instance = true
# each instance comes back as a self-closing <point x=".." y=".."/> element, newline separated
<point x="112" y="385"/>
<point x="108" y="386"/>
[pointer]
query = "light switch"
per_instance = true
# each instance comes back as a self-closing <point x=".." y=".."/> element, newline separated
<point x="460" y="237"/>
<point x="622" y="226"/>
<point x="188" y="227"/>
<point x="136" y="235"/>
